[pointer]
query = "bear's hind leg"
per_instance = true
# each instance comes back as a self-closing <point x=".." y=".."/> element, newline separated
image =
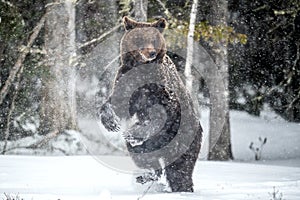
<point x="179" y="174"/>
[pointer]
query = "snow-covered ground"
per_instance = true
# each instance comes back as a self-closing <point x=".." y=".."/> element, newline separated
<point x="283" y="138"/>
<point x="83" y="177"/>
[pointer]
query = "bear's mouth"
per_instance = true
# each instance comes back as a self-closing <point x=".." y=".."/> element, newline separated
<point x="145" y="58"/>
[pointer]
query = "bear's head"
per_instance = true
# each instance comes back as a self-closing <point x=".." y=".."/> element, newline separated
<point x="143" y="42"/>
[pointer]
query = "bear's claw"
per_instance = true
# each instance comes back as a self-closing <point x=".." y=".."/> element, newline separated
<point x="109" y="119"/>
<point x="147" y="177"/>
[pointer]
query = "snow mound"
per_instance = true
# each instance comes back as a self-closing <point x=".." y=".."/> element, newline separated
<point x="66" y="143"/>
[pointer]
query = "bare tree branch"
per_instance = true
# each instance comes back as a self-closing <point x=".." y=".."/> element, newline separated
<point x="100" y="37"/>
<point x="32" y="50"/>
<point x="167" y="12"/>
<point x="13" y="72"/>
<point x="120" y="24"/>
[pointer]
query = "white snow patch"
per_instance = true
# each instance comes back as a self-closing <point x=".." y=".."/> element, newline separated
<point x="283" y="138"/>
<point x="81" y="177"/>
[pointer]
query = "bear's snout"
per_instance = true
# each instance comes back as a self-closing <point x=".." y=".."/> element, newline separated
<point x="148" y="53"/>
<point x="152" y="54"/>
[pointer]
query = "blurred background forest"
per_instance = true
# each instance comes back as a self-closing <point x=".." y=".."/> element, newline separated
<point x="263" y="56"/>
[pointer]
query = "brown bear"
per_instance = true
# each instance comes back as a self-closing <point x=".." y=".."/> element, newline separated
<point x="159" y="96"/>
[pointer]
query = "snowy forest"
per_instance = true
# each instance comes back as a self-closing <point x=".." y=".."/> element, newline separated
<point x="239" y="60"/>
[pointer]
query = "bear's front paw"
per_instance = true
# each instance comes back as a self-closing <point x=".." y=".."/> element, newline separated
<point x="133" y="141"/>
<point x="109" y="119"/>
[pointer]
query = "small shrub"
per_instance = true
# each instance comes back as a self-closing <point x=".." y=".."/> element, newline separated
<point x="12" y="197"/>
<point x="258" y="150"/>
<point x="276" y="195"/>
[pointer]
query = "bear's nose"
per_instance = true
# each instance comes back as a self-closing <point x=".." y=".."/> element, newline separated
<point x="152" y="54"/>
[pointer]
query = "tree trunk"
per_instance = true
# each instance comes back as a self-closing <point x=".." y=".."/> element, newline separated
<point x="58" y="110"/>
<point x="219" y="140"/>
<point x="190" y="47"/>
<point x="140" y="10"/>
<point x="193" y="88"/>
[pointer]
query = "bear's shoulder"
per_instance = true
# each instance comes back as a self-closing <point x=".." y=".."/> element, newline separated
<point x="167" y="62"/>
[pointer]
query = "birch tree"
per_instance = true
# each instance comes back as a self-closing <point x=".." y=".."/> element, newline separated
<point x="58" y="111"/>
<point x="192" y="88"/>
<point x="190" y="47"/>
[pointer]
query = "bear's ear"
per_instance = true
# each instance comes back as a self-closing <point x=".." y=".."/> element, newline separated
<point x="129" y="23"/>
<point x="160" y="24"/>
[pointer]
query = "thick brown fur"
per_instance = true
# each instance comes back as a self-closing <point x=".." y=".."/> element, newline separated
<point x="140" y="40"/>
<point x="143" y="43"/>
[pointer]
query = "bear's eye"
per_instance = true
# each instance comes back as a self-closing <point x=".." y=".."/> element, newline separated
<point x="155" y="43"/>
<point x="140" y="46"/>
<point x="139" y="42"/>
